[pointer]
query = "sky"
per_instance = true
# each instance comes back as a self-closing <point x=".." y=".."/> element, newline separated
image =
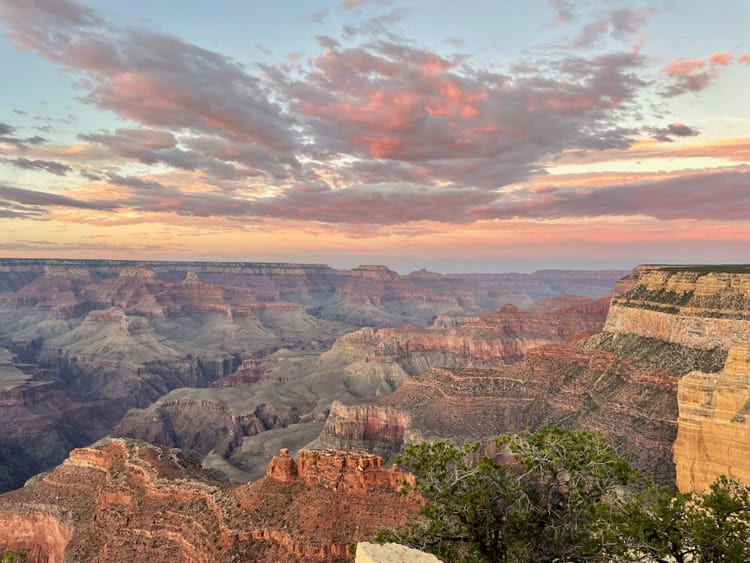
<point x="473" y="136"/>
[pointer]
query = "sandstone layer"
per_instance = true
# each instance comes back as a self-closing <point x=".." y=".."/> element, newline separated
<point x="129" y="501"/>
<point x="713" y="436"/>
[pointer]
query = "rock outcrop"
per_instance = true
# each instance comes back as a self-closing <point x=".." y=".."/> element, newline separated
<point x="391" y="553"/>
<point x="130" y="501"/>
<point x="713" y="435"/>
<point x="337" y="470"/>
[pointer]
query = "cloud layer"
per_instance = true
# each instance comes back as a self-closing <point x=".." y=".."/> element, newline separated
<point x="372" y="129"/>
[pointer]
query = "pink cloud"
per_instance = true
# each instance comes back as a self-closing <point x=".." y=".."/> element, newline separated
<point x="687" y="75"/>
<point x="681" y="66"/>
<point x="744" y="58"/>
<point x="720" y="58"/>
<point x="619" y="24"/>
<point x="380" y="132"/>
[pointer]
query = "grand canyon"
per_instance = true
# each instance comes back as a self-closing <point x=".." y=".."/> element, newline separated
<point x="374" y="280"/>
<point x="207" y="411"/>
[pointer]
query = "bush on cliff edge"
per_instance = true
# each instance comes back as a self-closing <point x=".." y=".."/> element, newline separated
<point x="560" y="495"/>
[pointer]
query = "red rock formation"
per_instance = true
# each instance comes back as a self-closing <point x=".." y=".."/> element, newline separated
<point x="495" y="337"/>
<point x="283" y="468"/>
<point x="129" y="501"/>
<point x="41" y="537"/>
<point x="337" y="470"/>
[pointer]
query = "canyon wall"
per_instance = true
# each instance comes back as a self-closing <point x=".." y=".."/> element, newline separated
<point x="695" y="306"/>
<point x="698" y="308"/>
<point x="713" y="435"/>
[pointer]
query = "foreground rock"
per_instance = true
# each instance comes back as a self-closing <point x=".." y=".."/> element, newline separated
<point x="129" y="501"/>
<point x="391" y="553"/>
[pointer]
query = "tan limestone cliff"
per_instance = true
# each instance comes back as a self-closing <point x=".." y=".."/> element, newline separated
<point x="713" y="436"/>
<point x="697" y="307"/>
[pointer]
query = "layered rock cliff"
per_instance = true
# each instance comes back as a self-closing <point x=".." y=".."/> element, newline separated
<point x="713" y="436"/>
<point x="695" y="306"/>
<point x="496" y="337"/>
<point x="129" y="501"/>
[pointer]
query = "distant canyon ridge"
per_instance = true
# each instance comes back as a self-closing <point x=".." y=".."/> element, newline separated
<point x="82" y="342"/>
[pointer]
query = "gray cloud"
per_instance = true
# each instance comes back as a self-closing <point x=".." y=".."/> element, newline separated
<point x="667" y="134"/>
<point x="57" y="168"/>
<point x="618" y="24"/>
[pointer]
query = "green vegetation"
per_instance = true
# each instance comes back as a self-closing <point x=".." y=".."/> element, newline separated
<point x="651" y="353"/>
<point x="661" y="296"/>
<point x="12" y="556"/>
<point x="710" y="269"/>
<point x="558" y="495"/>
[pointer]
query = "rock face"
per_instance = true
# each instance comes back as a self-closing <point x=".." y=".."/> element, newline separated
<point x="129" y="501"/>
<point x="713" y="436"/>
<point x="367" y="427"/>
<point x="703" y="309"/>
<point x="337" y="470"/>
<point x="40" y="537"/>
<point x="697" y="307"/>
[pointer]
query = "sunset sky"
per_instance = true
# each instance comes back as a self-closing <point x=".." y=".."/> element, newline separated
<point x="455" y="136"/>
